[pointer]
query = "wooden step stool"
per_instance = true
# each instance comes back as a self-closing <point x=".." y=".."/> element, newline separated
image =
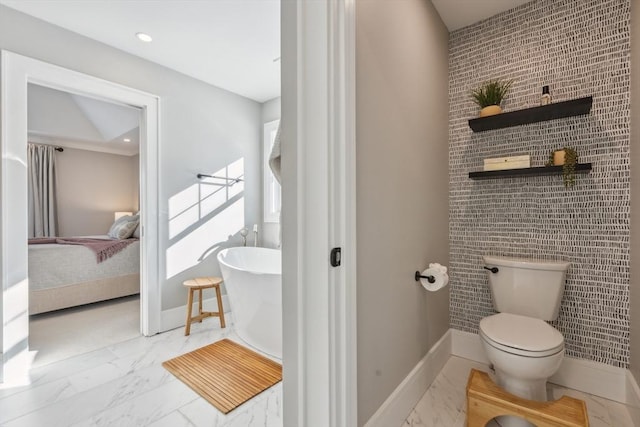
<point x="485" y="401"/>
<point x="198" y="284"/>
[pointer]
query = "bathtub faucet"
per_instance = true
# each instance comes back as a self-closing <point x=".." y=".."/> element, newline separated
<point x="255" y="234"/>
<point x="244" y="232"/>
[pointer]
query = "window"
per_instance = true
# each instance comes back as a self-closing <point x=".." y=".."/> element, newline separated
<point x="271" y="185"/>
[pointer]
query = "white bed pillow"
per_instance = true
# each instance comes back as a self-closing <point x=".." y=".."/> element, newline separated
<point x="124" y="227"/>
<point x="136" y="232"/>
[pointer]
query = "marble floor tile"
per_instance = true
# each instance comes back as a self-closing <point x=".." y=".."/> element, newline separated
<point x="439" y="407"/>
<point x="461" y="421"/>
<point x="174" y="419"/>
<point x="34" y="398"/>
<point x="124" y="384"/>
<point x="59" y="370"/>
<point x="445" y="401"/>
<point x="144" y="409"/>
<point x="602" y="412"/>
<point x="263" y="410"/>
<point x="83" y="405"/>
<point x="201" y="413"/>
<point x="620" y="415"/>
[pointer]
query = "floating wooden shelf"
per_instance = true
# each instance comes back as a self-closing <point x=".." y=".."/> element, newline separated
<point x="543" y="170"/>
<point x="575" y="107"/>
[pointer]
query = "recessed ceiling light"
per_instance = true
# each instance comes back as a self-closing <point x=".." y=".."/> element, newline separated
<point x="127" y="140"/>
<point x="144" y="37"/>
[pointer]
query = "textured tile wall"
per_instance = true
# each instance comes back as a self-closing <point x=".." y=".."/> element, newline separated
<point x="579" y="48"/>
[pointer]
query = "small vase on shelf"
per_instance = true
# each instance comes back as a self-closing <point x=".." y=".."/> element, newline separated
<point x="490" y="110"/>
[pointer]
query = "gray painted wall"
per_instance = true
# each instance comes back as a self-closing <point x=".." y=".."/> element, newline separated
<point x="203" y="129"/>
<point x="271" y="110"/>
<point x="635" y="187"/>
<point x="579" y="48"/>
<point x="402" y="190"/>
<point x="270" y="231"/>
<point x="91" y="187"/>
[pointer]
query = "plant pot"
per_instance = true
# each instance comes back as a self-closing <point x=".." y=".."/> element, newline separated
<point x="490" y="110"/>
<point x="558" y="157"/>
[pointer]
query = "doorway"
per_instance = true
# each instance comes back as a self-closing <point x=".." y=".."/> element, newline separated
<point x="17" y="72"/>
<point x="81" y="298"/>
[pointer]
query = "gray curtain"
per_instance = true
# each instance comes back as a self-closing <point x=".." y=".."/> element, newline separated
<point x="43" y="219"/>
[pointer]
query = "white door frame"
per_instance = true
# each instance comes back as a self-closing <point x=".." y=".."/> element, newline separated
<point x="15" y="73"/>
<point x="318" y="212"/>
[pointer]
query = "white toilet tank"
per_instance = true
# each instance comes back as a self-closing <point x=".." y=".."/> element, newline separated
<point x="527" y="287"/>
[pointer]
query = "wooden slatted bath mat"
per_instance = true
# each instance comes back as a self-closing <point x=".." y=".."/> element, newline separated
<point x="226" y="374"/>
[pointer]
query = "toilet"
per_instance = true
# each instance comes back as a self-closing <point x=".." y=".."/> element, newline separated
<point x="523" y="348"/>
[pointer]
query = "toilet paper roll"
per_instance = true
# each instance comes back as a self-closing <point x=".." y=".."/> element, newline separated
<point x="439" y="272"/>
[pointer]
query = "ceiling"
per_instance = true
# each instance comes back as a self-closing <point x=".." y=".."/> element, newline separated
<point x="457" y="14"/>
<point x="74" y="121"/>
<point x="232" y="44"/>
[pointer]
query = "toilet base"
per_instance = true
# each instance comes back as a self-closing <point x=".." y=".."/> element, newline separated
<point x="507" y="421"/>
<point x="528" y="389"/>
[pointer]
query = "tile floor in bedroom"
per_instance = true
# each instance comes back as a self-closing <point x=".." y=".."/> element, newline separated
<point x="66" y="333"/>
<point x="124" y="384"/>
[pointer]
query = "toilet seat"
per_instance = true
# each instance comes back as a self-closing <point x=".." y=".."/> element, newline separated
<point x="521" y="335"/>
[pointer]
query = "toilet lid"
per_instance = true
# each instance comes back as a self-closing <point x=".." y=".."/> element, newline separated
<point x="520" y="334"/>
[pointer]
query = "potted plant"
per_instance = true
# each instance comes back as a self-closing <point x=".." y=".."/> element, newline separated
<point x="568" y="159"/>
<point x="489" y="96"/>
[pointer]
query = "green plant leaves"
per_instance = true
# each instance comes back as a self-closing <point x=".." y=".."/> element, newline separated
<point x="491" y="92"/>
<point x="569" y="167"/>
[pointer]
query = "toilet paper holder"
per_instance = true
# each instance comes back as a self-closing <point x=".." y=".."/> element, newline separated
<point x="419" y="276"/>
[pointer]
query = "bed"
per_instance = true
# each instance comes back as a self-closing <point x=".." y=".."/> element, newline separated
<point x="63" y="276"/>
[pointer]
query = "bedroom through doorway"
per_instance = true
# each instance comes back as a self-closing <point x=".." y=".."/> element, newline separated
<point x="16" y="70"/>
<point x="83" y="165"/>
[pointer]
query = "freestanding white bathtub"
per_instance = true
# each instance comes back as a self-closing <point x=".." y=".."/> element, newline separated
<point x="252" y="277"/>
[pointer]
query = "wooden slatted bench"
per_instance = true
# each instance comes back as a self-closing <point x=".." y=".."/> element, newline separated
<point x="485" y="401"/>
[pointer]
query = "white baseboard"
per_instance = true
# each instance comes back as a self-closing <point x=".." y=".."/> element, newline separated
<point x="595" y="378"/>
<point x="467" y="345"/>
<point x="395" y="410"/>
<point x="633" y="399"/>
<point x="633" y="391"/>
<point x="176" y="317"/>
<point x="590" y="377"/>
